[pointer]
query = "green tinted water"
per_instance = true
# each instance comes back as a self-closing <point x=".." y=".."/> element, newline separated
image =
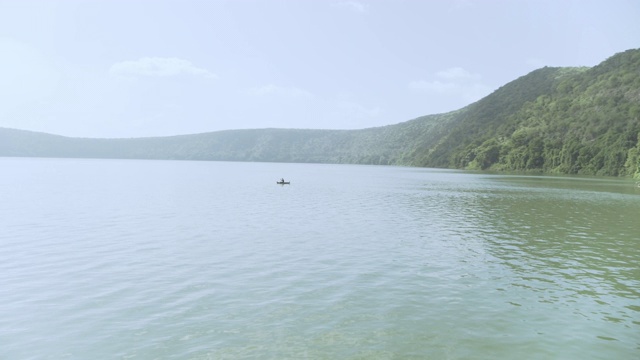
<point x="160" y="259"/>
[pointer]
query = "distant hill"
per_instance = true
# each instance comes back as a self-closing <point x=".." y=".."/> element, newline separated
<point x="382" y="145"/>
<point x="553" y="120"/>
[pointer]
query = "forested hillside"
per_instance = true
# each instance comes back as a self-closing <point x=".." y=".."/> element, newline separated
<point x="566" y="120"/>
<point x="552" y="120"/>
<point x="395" y="144"/>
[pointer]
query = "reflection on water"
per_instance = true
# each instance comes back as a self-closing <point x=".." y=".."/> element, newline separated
<point x="126" y="259"/>
<point x="567" y="244"/>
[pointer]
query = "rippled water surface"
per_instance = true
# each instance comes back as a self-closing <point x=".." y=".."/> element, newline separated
<point x="211" y="260"/>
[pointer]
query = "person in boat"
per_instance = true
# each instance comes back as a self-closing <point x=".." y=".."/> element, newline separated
<point x="282" y="180"/>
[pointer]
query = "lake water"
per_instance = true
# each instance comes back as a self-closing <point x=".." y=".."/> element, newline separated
<point x="127" y="259"/>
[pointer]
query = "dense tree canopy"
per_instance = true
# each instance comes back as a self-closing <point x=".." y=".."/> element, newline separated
<point x="578" y="121"/>
<point x="552" y="120"/>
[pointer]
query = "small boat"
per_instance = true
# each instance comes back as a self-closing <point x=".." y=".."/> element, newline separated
<point x="283" y="182"/>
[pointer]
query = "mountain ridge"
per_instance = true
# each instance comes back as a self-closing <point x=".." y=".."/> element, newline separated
<point x="563" y="120"/>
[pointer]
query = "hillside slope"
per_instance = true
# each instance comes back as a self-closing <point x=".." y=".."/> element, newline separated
<point x="582" y="121"/>
<point x="552" y="120"/>
<point x="387" y="145"/>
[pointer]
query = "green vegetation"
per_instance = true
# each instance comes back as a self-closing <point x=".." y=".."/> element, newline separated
<point x="552" y="120"/>
<point x="568" y="120"/>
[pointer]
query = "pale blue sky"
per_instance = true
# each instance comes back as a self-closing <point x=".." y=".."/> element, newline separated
<point x="130" y="68"/>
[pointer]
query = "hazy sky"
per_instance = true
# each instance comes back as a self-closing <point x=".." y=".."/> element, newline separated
<point x="127" y="68"/>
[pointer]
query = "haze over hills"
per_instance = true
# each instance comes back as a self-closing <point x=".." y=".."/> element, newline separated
<point x="553" y="120"/>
